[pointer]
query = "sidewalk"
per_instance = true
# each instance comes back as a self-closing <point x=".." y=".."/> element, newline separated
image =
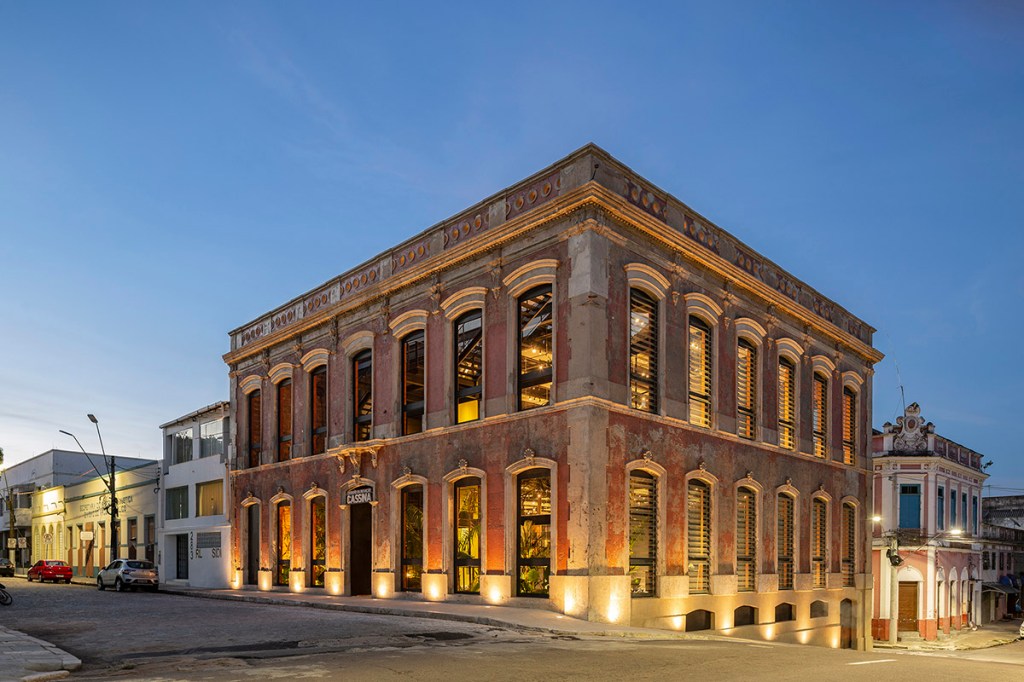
<point x="26" y="658"/>
<point x="516" y="618"/>
<point x="983" y="637"/>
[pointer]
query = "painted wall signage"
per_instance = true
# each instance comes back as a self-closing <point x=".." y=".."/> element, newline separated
<point x="360" y="495"/>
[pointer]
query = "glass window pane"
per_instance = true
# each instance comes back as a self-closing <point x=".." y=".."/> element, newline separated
<point x="700" y="372"/>
<point x="318" y="410"/>
<point x="535" y="348"/>
<point x="643" y="351"/>
<point x="468" y="365"/>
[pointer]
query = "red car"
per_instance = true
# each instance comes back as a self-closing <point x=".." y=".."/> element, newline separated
<point x="49" y="570"/>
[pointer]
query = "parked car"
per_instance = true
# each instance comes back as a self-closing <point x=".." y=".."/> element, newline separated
<point x="122" y="574"/>
<point x="6" y="568"/>
<point x="53" y="571"/>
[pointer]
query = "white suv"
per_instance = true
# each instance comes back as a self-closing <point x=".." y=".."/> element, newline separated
<point x="124" y="573"/>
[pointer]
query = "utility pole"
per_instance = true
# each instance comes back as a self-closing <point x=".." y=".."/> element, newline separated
<point x="112" y="486"/>
<point x="894" y="586"/>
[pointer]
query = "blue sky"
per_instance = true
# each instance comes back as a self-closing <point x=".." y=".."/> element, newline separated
<point x="170" y="171"/>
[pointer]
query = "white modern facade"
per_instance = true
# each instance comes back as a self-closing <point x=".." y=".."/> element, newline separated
<point x="195" y="532"/>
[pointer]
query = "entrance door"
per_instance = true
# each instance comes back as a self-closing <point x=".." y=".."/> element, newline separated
<point x="846" y="624"/>
<point x="252" y="545"/>
<point x="908" y="608"/>
<point x="182" y="557"/>
<point x="360" y="547"/>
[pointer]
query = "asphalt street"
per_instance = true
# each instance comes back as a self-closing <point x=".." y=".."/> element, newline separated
<point x="144" y="636"/>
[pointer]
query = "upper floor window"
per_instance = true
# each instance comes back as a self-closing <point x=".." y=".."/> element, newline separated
<point x="819" y="541"/>
<point x="469" y="365"/>
<point x="849" y="544"/>
<point x="535" y="347"/>
<point x="974" y="514"/>
<point x="849" y="426"/>
<point x="643" y="533"/>
<point x="963" y="518"/>
<point x="746" y="389"/>
<point x="787" y="403"/>
<point x="413" y="382"/>
<point x="176" y="503"/>
<point x="952" y="508"/>
<point x="746" y="540"/>
<point x="910" y="506"/>
<point x="211" y="438"/>
<point x="643" y="351"/>
<point x="700" y="372"/>
<point x="255" y="415"/>
<point x="284" y="420"/>
<point x="940" y="509"/>
<point x="784" y="541"/>
<point x="362" y="406"/>
<point x="318" y="410"/>
<point x="181" y="446"/>
<point x="210" y="498"/>
<point x="819" y="415"/>
<point x="698" y="536"/>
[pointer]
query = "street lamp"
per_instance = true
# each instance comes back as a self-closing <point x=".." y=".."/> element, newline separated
<point x="110" y="482"/>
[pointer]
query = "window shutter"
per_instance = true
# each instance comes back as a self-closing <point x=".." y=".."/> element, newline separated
<point x="698" y="536"/>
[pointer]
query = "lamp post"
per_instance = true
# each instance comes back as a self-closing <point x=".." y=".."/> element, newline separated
<point x="110" y="482"/>
<point x="893" y="554"/>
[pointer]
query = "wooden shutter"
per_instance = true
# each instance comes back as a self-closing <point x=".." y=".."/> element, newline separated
<point x="784" y="542"/>
<point x="746" y="390"/>
<point x="700" y="372"/>
<point x="849" y="426"/>
<point x="787" y="404"/>
<point x="819" y="415"/>
<point x="698" y="536"/>
<point x="643" y="351"/>
<point x="746" y="539"/>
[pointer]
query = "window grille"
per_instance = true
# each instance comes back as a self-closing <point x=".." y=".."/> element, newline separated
<point x="698" y="536"/>
<point x="469" y="362"/>
<point x="849" y="544"/>
<point x="467" y="535"/>
<point x="412" y="538"/>
<point x="643" y="533"/>
<point x="284" y="420"/>
<point x="787" y="404"/>
<point x="534" y="521"/>
<point x="700" y="372"/>
<point x="784" y="542"/>
<point x="746" y="540"/>
<point x="413" y="382"/>
<point x="746" y="390"/>
<point x="318" y="410"/>
<point x="362" y="418"/>
<point x="819" y="415"/>
<point x="255" y="428"/>
<point x="849" y="427"/>
<point x="284" y="543"/>
<point x="535" y="348"/>
<point x="819" y="520"/>
<point x="317" y="540"/>
<point x="643" y="351"/>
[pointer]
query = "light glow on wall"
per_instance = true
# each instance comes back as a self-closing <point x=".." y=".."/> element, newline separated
<point x="678" y="622"/>
<point x="265" y="581"/>
<point x="297" y="580"/>
<point x="333" y="581"/>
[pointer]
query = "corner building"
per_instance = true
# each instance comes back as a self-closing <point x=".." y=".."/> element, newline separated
<point x="578" y="394"/>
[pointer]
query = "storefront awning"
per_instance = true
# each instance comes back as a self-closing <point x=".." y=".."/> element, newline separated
<point x="997" y="587"/>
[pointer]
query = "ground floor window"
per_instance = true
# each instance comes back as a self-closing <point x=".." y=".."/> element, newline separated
<point x="412" y="538"/>
<point x="284" y="543"/>
<point x="467" y="535"/>
<point x="643" y="533"/>
<point x="317" y="541"/>
<point x="533" y="562"/>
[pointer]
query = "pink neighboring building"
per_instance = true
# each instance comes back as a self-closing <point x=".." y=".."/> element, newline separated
<point x="927" y="498"/>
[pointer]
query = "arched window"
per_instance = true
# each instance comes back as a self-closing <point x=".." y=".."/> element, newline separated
<point x="318" y="410"/>
<point x="467" y="535"/>
<point x="317" y="540"/>
<point x="255" y="428"/>
<point x="284" y="542"/>
<point x="469" y="365"/>
<point x="746" y="540"/>
<point x="643" y="350"/>
<point x="643" y="533"/>
<point x="787" y="403"/>
<point x="819" y="541"/>
<point x="412" y="538"/>
<point x="535" y="343"/>
<point x="849" y="426"/>
<point x="698" y="536"/>
<point x="284" y="420"/>
<point x="362" y="407"/>
<point x="534" y="532"/>
<point x="700" y="372"/>
<point x="819" y="414"/>
<point x="784" y="542"/>
<point x="849" y="544"/>
<point x="413" y="381"/>
<point x="746" y="390"/>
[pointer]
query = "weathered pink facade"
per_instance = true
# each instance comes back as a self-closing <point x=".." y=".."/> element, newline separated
<point x="592" y="230"/>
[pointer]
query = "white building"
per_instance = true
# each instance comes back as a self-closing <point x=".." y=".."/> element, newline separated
<point x="21" y="481"/>
<point x="195" y="533"/>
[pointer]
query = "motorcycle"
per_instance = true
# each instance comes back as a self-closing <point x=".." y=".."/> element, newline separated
<point x="5" y="596"/>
